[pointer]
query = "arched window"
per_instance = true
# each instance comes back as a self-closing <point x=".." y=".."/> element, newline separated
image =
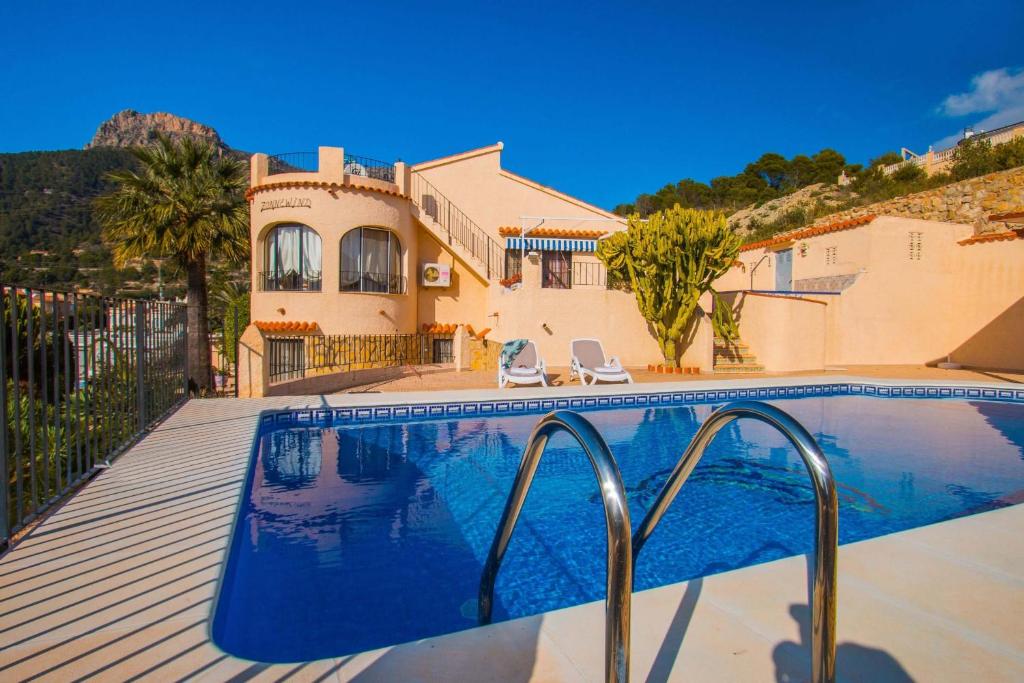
<point x="293" y="257"/>
<point x="371" y="261"/>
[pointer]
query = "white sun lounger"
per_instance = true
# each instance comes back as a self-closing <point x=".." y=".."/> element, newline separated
<point x="588" y="360"/>
<point x="527" y="368"/>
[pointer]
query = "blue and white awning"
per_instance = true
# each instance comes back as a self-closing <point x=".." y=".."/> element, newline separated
<point x="549" y="244"/>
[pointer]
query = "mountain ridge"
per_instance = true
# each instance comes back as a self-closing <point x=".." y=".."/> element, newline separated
<point x="130" y="128"/>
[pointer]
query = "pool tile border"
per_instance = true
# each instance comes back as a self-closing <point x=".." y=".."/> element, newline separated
<point x="496" y="407"/>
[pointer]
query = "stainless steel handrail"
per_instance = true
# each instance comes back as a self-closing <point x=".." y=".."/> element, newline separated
<point x="823" y="596"/>
<point x="616" y="514"/>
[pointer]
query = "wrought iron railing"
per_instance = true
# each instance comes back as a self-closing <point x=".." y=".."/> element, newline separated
<point x="295" y="357"/>
<point x="309" y="162"/>
<point x="289" y="282"/>
<point x="595" y="274"/>
<point x="378" y="283"/>
<point x="369" y="168"/>
<point x="589" y="274"/>
<point x="83" y="377"/>
<point x="294" y="162"/>
<point x="457" y="226"/>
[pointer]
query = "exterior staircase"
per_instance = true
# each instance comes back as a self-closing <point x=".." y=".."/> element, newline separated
<point x="452" y="227"/>
<point x="734" y="358"/>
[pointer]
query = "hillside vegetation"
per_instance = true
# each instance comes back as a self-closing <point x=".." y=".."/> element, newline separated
<point x="49" y="235"/>
<point x="774" y="194"/>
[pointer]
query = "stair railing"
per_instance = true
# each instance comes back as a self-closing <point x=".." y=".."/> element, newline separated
<point x="616" y="513"/>
<point x="826" y="539"/>
<point x="457" y="226"/>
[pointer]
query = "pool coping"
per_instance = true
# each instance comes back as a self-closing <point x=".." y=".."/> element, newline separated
<point x="158" y="634"/>
<point x="467" y="404"/>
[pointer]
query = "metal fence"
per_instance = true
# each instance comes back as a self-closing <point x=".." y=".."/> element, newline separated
<point x="458" y="227"/>
<point x="83" y="377"/>
<point x="295" y="357"/>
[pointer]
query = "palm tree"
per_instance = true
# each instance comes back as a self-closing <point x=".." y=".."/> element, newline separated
<point x="186" y="202"/>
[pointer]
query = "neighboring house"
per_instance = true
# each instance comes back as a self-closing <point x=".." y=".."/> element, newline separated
<point x="941" y="161"/>
<point x="882" y="290"/>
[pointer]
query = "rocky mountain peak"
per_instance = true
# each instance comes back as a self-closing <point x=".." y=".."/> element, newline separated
<point x="130" y="128"/>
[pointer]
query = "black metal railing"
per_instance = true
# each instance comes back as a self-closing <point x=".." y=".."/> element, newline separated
<point x="309" y="162"/>
<point x="294" y="162"/>
<point x="457" y="226"/>
<point x="590" y="274"/>
<point x="378" y="283"/>
<point x="369" y="168"/>
<point x="290" y="282"/>
<point x="295" y="357"/>
<point x="83" y="377"/>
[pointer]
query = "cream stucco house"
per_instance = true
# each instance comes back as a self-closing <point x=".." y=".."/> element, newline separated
<point x="347" y="245"/>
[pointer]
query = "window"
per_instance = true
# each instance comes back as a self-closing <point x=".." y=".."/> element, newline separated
<point x="915" y="246"/>
<point x="556" y="269"/>
<point x="830" y="255"/>
<point x="371" y="261"/>
<point x="513" y="263"/>
<point x="292" y="259"/>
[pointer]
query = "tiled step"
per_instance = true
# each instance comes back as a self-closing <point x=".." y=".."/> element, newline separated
<point x="737" y="368"/>
<point x="738" y="357"/>
<point x="734" y="357"/>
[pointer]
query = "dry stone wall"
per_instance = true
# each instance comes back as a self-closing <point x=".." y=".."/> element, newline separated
<point x="969" y="201"/>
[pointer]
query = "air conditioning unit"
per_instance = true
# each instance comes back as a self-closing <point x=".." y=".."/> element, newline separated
<point x="436" y="275"/>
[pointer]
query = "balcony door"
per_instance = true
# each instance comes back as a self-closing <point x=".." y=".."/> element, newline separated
<point x="556" y="269"/>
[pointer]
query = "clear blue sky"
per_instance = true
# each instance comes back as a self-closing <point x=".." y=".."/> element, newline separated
<point x="602" y="100"/>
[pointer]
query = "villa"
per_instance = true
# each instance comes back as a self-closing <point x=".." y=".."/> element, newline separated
<point x="354" y="246"/>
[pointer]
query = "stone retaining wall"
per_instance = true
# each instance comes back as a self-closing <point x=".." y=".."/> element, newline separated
<point x="968" y="201"/>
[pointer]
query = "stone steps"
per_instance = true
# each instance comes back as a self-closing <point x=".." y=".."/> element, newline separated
<point x="734" y="358"/>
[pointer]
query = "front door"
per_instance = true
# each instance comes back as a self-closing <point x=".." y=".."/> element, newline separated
<point x="784" y="270"/>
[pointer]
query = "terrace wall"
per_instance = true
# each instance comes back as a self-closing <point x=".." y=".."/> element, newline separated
<point x="898" y="304"/>
<point x="786" y="333"/>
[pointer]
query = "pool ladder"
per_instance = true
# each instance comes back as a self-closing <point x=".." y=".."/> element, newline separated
<point x="623" y="549"/>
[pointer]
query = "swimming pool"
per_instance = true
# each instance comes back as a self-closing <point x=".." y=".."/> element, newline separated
<point x="361" y="530"/>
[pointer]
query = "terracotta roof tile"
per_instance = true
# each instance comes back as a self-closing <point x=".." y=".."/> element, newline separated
<point x="311" y="184"/>
<point x="1003" y="236"/>
<point x="1011" y="217"/>
<point x="284" y="326"/>
<point x="812" y="231"/>
<point x="563" y="233"/>
<point x="440" y="328"/>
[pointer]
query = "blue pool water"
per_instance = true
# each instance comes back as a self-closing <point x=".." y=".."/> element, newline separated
<point x="355" y="537"/>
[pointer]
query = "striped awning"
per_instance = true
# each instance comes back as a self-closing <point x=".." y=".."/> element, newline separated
<point x="549" y="244"/>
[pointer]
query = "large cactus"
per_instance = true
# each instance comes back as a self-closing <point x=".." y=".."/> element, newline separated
<point x="670" y="260"/>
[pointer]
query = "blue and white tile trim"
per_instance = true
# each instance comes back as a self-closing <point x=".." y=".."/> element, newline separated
<point x="408" y="412"/>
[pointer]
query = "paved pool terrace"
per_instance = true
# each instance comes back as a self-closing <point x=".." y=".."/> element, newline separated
<point x="120" y="582"/>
